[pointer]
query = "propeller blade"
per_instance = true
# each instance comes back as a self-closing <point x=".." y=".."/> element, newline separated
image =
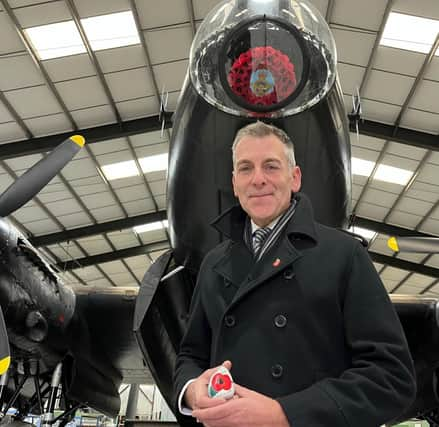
<point x="5" y="355"/>
<point x="32" y="181"/>
<point x="414" y="244"/>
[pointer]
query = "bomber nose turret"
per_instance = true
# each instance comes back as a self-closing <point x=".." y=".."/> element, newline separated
<point x="274" y="60"/>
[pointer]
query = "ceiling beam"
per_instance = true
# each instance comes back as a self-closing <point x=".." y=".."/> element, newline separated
<point x="13" y="112"/>
<point x="42" y="144"/>
<point x="405" y="136"/>
<point x="390" y="230"/>
<point x="91" y="135"/>
<point x="112" y="256"/>
<point x="162" y="245"/>
<point x="124" y="223"/>
<point x="161" y="215"/>
<point x="404" y="265"/>
<point x="91" y="230"/>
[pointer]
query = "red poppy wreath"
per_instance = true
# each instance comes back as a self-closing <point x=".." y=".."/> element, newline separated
<point x="262" y="76"/>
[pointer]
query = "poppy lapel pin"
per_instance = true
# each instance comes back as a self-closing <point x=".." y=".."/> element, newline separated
<point x="276" y="262"/>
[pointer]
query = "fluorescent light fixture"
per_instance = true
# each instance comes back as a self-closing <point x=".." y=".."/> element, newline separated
<point x="364" y="232"/>
<point x="410" y="32"/>
<point x="112" y="30"/>
<point x="103" y="32"/>
<point x="361" y="167"/>
<point x="383" y="173"/>
<point x="120" y="170"/>
<point x="158" y="162"/>
<point x="393" y="175"/>
<point x="55" y="40"/>
<point x="144" y="228"/>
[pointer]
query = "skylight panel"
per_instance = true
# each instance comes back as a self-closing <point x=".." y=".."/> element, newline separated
<point x="120" y="170"/>
<point x="383" y="173"/>
<point x="393" y="175"/>
<point x="144" y="228"/>
<point x="55" y="40"/>
<point x="410" y="32"/>
<point x="364" y="232"/>
<point x="158" y="162"/>
<point x="361" y="167"/>
<point x="113" y="30"/>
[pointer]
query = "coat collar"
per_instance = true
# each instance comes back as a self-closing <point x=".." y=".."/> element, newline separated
<point x="238" y="266"/>
<point x="232" y="222"/>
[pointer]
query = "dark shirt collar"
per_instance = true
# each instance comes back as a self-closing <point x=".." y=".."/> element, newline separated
<point x="231" y="223"/>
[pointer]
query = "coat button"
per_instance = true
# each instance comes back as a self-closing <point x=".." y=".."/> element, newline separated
<point x="280" y="321"/>
<point x="229" y="320"/>
<point x="288" y="274"/>
<point x="277" y="371"/>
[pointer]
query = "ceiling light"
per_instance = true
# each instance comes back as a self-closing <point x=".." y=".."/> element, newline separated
<point x="383" y="173"/>
<point x="393" y="175"/>
<point x="113" y="30"/>
<point x="363" y="232"/>
<point x="410" y="32"/>
<point x="362" y="167"/>
<point x="120" y="170"/>
<point x="158" y="162"/>
<point x="103" y="32"/>
<point x="55" y="40"/>
<point x="144" y="228"/>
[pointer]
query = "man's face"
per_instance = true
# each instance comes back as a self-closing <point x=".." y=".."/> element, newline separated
<point x="262" y="178"/>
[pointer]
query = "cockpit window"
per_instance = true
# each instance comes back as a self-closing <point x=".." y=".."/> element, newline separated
<point x="271" y="58"/>
<point x="264" y="65"/>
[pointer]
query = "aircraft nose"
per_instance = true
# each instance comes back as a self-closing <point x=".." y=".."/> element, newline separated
<point x="263" y="58"/>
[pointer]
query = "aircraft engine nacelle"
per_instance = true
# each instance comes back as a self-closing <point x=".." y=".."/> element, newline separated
<point x="36" y="305"/>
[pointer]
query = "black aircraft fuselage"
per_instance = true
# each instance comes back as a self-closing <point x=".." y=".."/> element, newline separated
<point x="200" y="167"/>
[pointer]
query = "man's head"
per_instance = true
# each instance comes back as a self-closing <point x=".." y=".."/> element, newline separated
<point x="264" y="171"/>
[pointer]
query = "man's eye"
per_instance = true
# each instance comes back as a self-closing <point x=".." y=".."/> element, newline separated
<point x="243" y="168"/>
<point x="272" y="166"/>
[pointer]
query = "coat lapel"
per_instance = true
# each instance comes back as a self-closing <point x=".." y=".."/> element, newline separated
<point x="235" y="264"/>
<point x="281" y="256"/>
<point x="238" y="265"/>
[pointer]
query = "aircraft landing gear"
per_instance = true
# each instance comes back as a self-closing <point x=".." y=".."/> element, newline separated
<point x="47" y="417"/>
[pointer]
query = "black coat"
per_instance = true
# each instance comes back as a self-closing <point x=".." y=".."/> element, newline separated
<point x="310" y="325"/>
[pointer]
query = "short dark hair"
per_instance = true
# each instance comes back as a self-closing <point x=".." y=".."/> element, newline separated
<point x="259" y="130"/>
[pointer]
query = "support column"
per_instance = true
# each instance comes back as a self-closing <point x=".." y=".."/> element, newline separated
<point x="133" y="398"/>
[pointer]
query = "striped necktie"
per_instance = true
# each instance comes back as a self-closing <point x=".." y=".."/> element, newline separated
<point x="259" y="237"/>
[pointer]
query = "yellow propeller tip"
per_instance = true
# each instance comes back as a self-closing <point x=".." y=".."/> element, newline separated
<point x="4" y="364"/>
<point x="393" y="244"/>
<point x="78" y="139"/>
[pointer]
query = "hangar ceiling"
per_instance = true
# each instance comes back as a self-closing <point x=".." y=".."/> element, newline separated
<point x="84" y="222"/>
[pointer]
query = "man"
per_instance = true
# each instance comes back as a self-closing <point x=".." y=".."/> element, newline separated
<point x="303" y="320"/>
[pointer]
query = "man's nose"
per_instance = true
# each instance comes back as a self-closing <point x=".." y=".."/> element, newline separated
<point x="258" y="177"/>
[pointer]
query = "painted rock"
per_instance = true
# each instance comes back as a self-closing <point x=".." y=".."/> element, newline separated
<point x="221" y="384"/>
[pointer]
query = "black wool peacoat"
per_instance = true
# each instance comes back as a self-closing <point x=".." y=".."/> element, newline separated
<point x="310" y="325"/>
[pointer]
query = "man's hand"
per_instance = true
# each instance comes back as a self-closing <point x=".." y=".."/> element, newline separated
<point x="247" y="409"/>
<point x="196" y="396"/>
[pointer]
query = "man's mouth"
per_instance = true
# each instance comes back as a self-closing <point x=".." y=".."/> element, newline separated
<point x="260" y="195"/>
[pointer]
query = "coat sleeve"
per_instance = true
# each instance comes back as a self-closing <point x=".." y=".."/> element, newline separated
<point x="194" y="355"/>
<point x="380" y="382"/>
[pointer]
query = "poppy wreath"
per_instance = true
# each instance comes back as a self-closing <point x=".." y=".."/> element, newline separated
<point x="266" y="59"/>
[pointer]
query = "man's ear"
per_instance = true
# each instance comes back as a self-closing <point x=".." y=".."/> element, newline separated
<point x="296" y="183"/>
